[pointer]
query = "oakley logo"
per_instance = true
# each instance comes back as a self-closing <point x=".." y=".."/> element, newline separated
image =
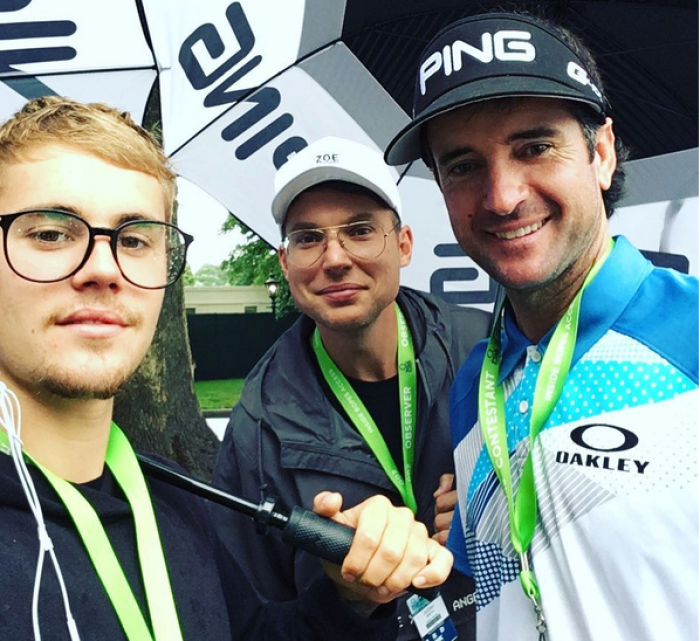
<point x="602" y="437"/>
<point x="507" y="46"/>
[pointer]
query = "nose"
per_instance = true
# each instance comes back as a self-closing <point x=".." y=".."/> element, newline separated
<point x="335" y="255"/>
<point x="504" y="188"/>
<point x="100" y="269"/>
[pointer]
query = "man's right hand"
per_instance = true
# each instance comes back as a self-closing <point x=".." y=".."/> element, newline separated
<point x="391" y="551"/>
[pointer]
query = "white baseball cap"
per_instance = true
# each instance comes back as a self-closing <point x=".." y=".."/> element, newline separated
<point x="329" y="159"/>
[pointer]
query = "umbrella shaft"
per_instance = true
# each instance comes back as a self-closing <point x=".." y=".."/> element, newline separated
<point x="213" y="494"/>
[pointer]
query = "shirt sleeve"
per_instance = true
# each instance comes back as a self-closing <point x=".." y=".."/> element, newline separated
<point x="318" y="614"/>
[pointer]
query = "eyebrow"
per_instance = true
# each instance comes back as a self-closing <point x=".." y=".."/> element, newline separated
<point x="359" y="217"/>
<point x="128" y="218"/>
<point x="56" y="206"/>
<point x="543" y="131"/>
<point x="122" y="218"/>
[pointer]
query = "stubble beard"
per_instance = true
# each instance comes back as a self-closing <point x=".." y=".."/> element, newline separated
<point x="70" y="387"/>
<point x="98" y="378"/>
<point x="354" y="325"/>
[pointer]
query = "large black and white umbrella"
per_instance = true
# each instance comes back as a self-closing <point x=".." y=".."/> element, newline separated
<point x="243" y="85"/>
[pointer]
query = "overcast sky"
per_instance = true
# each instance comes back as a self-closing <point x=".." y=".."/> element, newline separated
<point x="202" y="216"/>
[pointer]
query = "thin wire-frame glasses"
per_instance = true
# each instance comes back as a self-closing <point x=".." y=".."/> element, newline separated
<point x="49" y="245"/>
<point x="365" y="240"/>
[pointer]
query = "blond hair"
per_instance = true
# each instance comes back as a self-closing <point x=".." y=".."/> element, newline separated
<point x="94" y="128"/>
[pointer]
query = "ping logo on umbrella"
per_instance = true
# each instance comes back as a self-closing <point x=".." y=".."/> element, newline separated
<point x="266" y="100"/>
<point x="12" y="57"/>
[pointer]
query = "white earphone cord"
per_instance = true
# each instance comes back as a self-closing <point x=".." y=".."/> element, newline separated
<point x="11" y="422"/>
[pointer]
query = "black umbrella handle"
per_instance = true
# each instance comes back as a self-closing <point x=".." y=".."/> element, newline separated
<point x="303" y="529"/>
<point x="328" y="540"/>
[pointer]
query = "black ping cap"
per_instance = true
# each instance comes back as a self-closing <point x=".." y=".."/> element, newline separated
<point x="496" y="55"/>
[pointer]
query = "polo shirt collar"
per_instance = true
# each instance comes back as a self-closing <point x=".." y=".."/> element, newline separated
<point x="603" y="302"/>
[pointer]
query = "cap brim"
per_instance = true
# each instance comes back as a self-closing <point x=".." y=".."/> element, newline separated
<point x="316" y="176"/>
<point x="406" y="147"/>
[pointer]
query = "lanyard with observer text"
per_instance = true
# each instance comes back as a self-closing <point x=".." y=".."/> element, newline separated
<point x="124" y="465"/>
<point x="358" y="414"/>
<point x="554" y="369"/>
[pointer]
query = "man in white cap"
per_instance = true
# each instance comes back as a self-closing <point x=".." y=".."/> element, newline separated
<point x="575" y="426"/>
<point x="354" y="397"/>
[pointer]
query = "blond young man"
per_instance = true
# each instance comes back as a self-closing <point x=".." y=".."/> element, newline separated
<point x="86" y="199"/>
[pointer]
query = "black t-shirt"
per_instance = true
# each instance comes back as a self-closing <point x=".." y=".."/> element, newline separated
<point x="381" y="398"/>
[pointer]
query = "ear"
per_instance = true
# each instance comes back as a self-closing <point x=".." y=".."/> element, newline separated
<point x="405" y="245"/>
<point x="282" y="257"/>
<point x="605" y="155"/>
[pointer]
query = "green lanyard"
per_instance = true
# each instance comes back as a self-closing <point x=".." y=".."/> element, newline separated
<point x="124" y="465"/>
<point x="358" y="414"/>
<point x="522" y="509"/>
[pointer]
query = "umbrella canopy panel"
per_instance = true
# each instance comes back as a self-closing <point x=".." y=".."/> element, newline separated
<point x="647" y="52"/>
<point x="243" y="85"/>
<point x="77" y="49"/>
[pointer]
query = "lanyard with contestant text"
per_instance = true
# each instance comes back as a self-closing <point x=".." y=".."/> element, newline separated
<point x="357" y="412"/>
<point x="124" y="465"/>
<point x="554" y="369"/>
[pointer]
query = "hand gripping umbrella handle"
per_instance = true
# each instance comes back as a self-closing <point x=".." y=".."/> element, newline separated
<point x="317" y="535"/>
<point x="302" y="528"/>
<point x="328" y="540"/>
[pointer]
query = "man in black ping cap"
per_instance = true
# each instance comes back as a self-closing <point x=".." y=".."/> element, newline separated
<point x="575" y="426"/>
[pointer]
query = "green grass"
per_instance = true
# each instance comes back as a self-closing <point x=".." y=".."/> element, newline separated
<point x="217" y="395"/>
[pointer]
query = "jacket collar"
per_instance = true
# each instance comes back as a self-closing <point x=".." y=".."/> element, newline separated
<point x="284" y="383"/>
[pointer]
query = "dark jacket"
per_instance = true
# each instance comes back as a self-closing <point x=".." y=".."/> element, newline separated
<point x="213" y="597"/>
<point x="285" y="439"/>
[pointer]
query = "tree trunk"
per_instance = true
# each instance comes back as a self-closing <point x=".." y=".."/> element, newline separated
<point x="158" y="409"/>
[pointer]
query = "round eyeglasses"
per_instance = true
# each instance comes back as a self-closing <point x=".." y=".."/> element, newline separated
<point x="365" y="240"/>
<point x="49" y="245"/>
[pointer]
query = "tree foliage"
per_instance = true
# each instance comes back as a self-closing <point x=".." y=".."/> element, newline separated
<point x="210" y="276"/>
<point x="253" y="263"/>
<point x="187" y="277"/>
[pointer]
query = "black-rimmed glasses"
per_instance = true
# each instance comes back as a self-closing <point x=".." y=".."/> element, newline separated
<point x="49" y="245"/>
<point x="365" y="240"/>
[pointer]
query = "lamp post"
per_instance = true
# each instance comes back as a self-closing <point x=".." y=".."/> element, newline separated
<point x="272" y="285"/>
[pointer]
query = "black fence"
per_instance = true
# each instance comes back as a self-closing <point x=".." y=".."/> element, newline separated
<point x="229" y="345"/>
